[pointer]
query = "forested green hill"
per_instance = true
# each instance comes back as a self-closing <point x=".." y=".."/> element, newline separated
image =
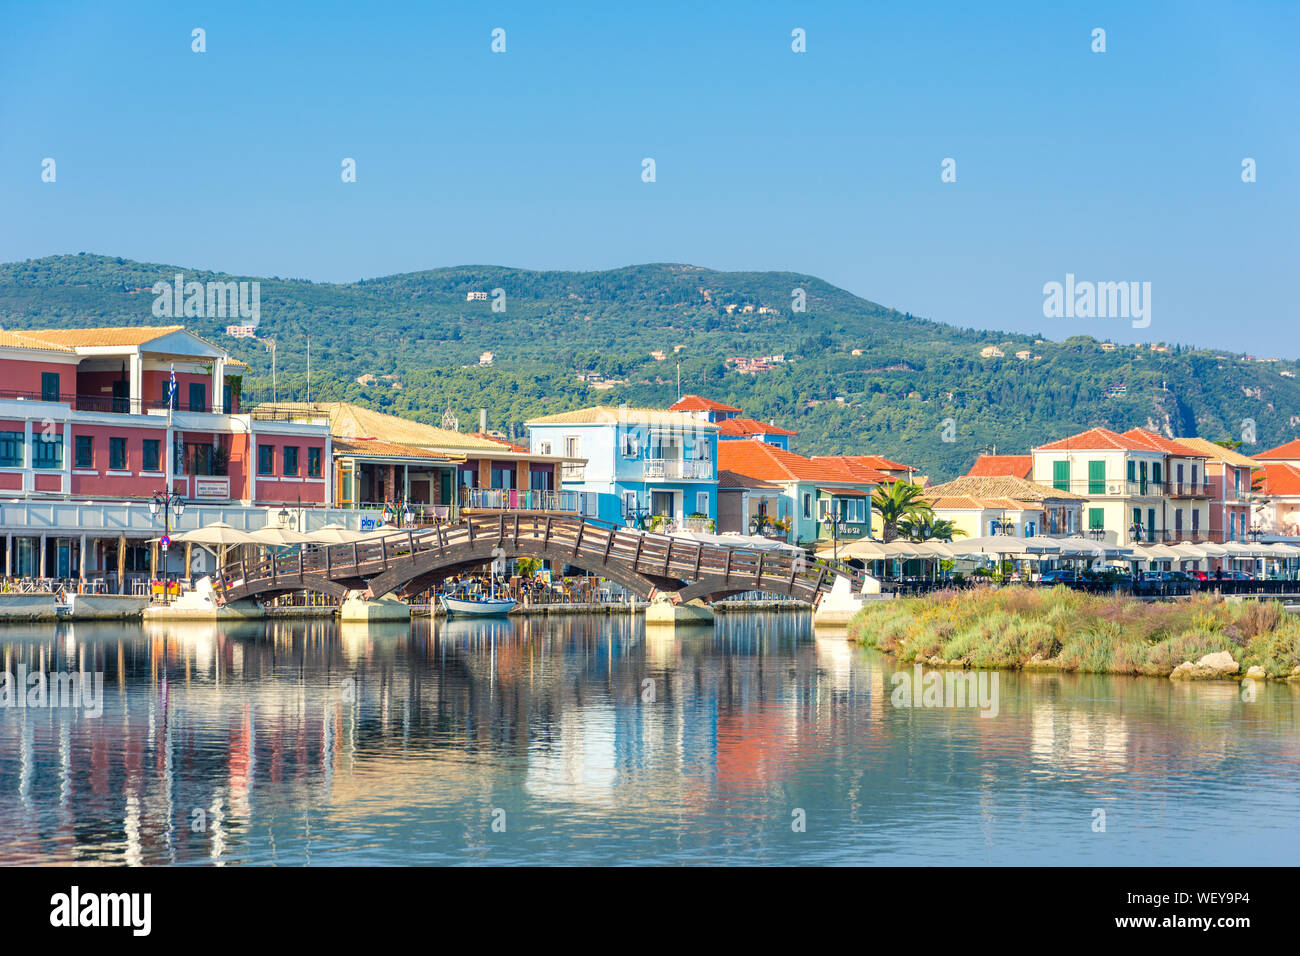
<point x="421" y="340"/>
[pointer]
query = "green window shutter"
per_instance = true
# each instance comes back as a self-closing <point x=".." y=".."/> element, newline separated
<point x="1096" y="477"/>
<point x="1132" y="470"/>
<point x="1096" y="518"/>
<point x="1151" y="524"/>
<point x="1061" y="475"/>
<point x="1155" y="472"/>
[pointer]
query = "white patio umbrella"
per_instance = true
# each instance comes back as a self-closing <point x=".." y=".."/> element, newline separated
<point x="863" y="548"/>
<point x="275" y="537"/>
<point x="219" y="534"/>
<point x="334" y="534"/>
<point x="1157" y="552"/>
<point x="994" y="544"/>
<point x="1077" y="546"/>
<point x="1213" y="550"/>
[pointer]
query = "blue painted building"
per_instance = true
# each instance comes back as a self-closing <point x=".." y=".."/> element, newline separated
<point x="640" y="462"/>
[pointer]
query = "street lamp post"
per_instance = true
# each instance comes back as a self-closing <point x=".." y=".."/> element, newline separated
<point x="166" y="502"/>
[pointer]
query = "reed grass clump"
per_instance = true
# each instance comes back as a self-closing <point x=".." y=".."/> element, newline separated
<point x="1074" y="631"/>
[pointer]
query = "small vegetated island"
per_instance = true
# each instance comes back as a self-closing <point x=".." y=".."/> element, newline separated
<point x="1061" y="629"/>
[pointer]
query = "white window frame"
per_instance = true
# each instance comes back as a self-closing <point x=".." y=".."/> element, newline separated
<point x="702" y="502"/>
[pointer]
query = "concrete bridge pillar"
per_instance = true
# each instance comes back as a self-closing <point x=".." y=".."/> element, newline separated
<point x="669" y="609"/>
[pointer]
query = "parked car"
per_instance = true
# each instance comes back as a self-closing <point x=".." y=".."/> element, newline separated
<point x="1059" y="576"/>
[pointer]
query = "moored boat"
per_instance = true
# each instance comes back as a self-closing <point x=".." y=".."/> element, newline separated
<point x="479" y="606"/>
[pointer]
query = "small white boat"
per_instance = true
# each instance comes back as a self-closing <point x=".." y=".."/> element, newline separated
<point x="478" y="607"/>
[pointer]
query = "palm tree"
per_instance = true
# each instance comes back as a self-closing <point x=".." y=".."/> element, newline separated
<point x="897" y="501"/>
<point x="926" y="527"/>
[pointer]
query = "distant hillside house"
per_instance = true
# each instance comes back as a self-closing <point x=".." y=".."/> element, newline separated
<point x="241" y="331"/>
<point x="476" y="296"/>
<point x="991" y="351"/>
<point x="487" y="358"/>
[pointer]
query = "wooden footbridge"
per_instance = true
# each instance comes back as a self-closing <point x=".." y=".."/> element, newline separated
<point x="411" y="562"/>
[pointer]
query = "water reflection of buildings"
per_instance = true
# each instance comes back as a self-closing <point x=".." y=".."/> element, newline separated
<point x="270" y="733"/>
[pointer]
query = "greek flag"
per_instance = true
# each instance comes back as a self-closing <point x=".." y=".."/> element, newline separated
<point x="171" y="389"/>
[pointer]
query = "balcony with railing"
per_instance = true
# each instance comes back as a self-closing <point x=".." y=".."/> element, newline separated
<point x="1189" y="489"/>
<point x="687" y="469"/>
<point x="118" y="405"/>
<point x="512" y="499"/>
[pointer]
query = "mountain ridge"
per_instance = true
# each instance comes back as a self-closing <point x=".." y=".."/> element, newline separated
<point x="409" y="343"/>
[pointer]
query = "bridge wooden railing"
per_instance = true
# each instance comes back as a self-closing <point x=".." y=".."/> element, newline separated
<point x="583" y="542"/>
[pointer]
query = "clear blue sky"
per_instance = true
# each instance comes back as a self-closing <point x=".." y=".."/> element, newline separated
<point x="1117" y="166"/>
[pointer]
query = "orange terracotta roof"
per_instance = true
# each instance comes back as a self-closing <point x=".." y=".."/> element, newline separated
<point x="856" y="466"/>
<point x="1290" y="450"/>
<point x="501" y="441"/>
<point x="1158" y="442"/>
<point x="1280" y="479"/>
<point x="1096" y="439"/>
<point x="105" y="337"/>
<point x="697" y="403"/>
<point x="1000" y="466"/>
<point x="881" y="462"/>
<point x="756" y="459"/>
<point x="373" y="447"/>
<point x="744" y="427"/>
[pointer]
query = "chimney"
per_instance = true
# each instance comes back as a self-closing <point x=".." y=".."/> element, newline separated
<point x="482" y="420"/>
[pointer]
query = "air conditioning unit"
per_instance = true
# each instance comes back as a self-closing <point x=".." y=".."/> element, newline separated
<point x="1112" y="489"/>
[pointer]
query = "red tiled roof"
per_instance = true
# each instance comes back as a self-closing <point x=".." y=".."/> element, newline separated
<point x="501" y="441"/>
<point x="744" y="427"/>
<point x="1290" y="450"/>
<point x="860" y="466"/>
<point x="1280" y="479"/>
<point x="697" y="403"/>
<point x="1002" y="466"/>
<point x="1097" y="439"/>
<point x="757" y="459"/>
<point x="1160" y="443"/>
<point x="883" y="463"/>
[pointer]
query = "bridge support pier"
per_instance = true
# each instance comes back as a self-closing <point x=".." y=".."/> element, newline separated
<point x="663" y="610"/>
<point x="836" y="609"/>
<point x="386" y="608"/>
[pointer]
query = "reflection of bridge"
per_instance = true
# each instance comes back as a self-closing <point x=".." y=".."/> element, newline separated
<point x="411" y="562"/>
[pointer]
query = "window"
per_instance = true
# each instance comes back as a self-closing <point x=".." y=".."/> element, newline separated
<point x="702" y="502"/>
<point x="629" y="503"/>
<point x="1151" y="524"/>
<point x="149" y="455"/>
<point x="1178" y="522"/>
<point x="701" y="449"/>
<point x="291" y="460"/>
<point x="1196" y="521"/>
<point x="49" y="386"/>
<point x="807" y="505"/>
<point x="1096" y="477"/>
<point x="11" y="449"/>
<point x="1156" y="472"/>
<point x="84" y="451"/>
<point x="167" y="399"/>
<point x="1232" y="525"/>
<point x="1061" y="475"/>
<point x="198" y="397"/>
<point x="1195" y="476"/>
<point x="1096" y="519"/>
<point x="1132" y="470"/>
<point x="631" y="445"/>
<point x="313" y="462"/>
<point x="47" y="451"/>
<point x="266" y="459"/>
<point x="1178" y="475"/>
<point x="543" y="448"/>
<point x="117" y="454"/>
<point x="823" y="508"/>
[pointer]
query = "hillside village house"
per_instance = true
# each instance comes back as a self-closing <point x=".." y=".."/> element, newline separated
<point x="91" y="430"/>
<point x="384" y="463"/>
<point x="640" y="463"/>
